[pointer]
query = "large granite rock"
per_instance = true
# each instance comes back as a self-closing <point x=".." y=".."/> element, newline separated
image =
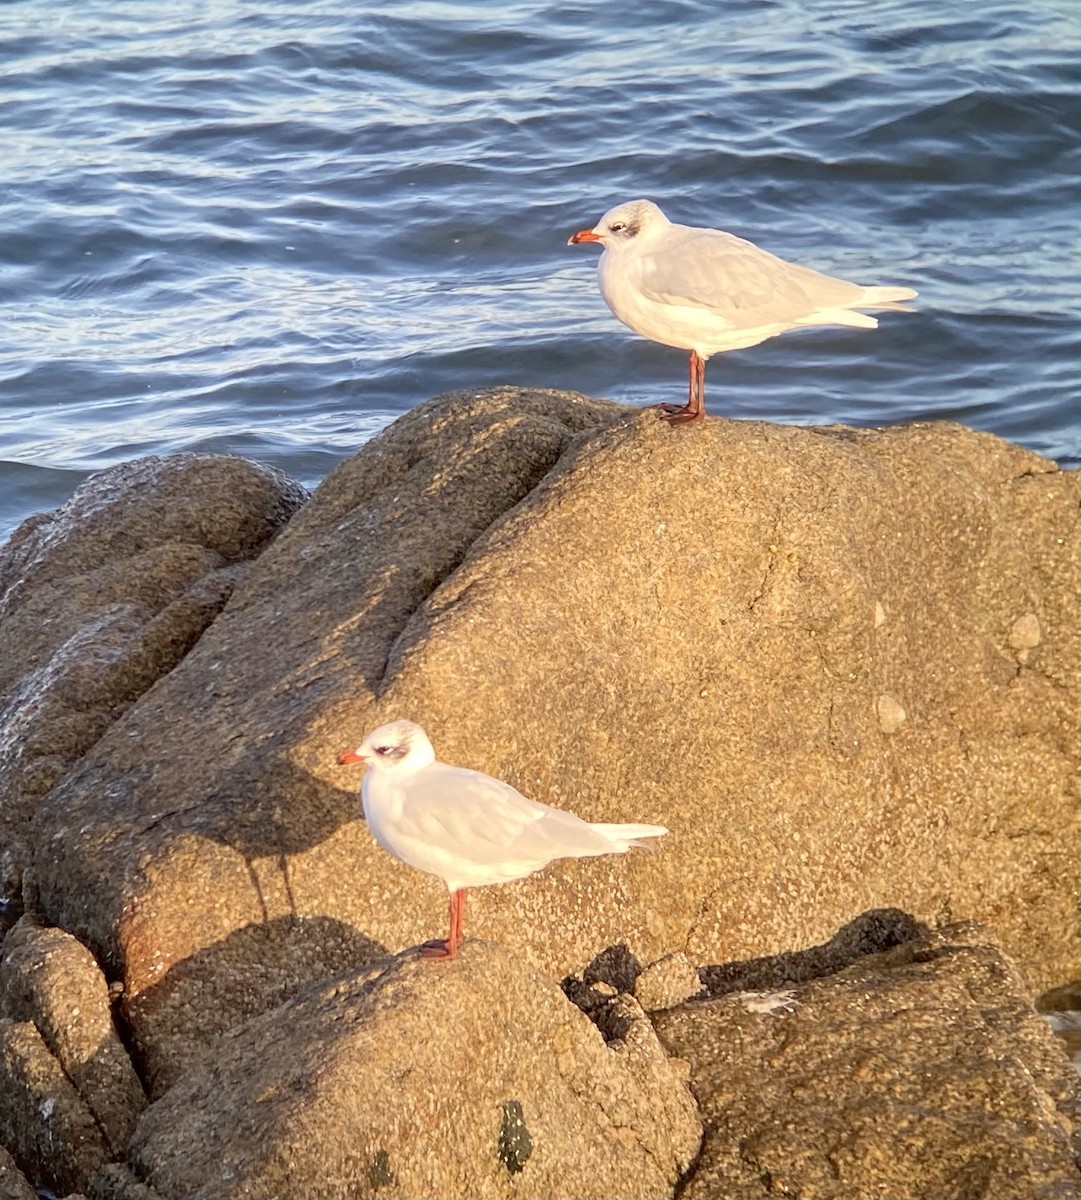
<point x="51" y="1130"/>
<point x="921" y="1072"/>
<point x="841" y="666"/>
<point x="474" y="1077"/>
<point x="104" y="596"/>
<point x="58" y="1029"/>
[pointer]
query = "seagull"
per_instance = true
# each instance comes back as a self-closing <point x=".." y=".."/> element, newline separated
<point x="707" y="291"/>
<point x="464" y="827"/>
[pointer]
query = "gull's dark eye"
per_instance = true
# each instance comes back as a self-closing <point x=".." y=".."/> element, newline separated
<point x="617" y="226"/>
<point x="383" y="751"/>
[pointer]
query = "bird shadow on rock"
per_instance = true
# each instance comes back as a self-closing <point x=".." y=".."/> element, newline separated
<point x="174" y="1023"/>
<point x="872" y="932"/>
<point x="263" y="809"/>
<point x="234" y="858"/>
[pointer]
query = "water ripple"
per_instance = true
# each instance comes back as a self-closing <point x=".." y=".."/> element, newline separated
<point x="271" y="231"/>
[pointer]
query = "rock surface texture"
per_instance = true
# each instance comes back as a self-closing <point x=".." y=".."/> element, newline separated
<point x="922" y="1072"/>
<point x="474" y="1077"/>
<point x="691" y="626"/>
<point x="13" y="1183"/>
<point x="840" y="666"/>
<point x="107" y="594"/>
<point x="63" y="1065"/>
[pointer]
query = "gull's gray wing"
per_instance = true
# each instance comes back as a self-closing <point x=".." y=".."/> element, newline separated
<point x="707" y="268"/>
<point x="488" y="822"/>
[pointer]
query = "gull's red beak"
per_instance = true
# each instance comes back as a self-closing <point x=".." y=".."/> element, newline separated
<point x="583" y="235"/>
<point x="350" y="756"/>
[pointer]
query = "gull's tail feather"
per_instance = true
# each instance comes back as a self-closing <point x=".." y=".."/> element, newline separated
<point x="868" y="297"/>
<point x="887" y="295"/>
<point x="623" y="837"/>
<point x="839" y="316"/>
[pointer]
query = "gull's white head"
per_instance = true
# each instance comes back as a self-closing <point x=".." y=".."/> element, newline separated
<point x="620" y="226"/>
<point x="398" y="746"/>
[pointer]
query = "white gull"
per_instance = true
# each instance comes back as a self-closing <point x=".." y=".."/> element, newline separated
<point x="707" y="291"/>
<point x="464" y="827"/>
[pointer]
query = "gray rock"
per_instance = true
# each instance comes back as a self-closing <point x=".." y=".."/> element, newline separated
<point x="115" y="1181"/>
<point x="13" y="1183"/>
<point x="412" y="1077"/>
<point x="104" y="596"/>
<point x="922" y="1072"/>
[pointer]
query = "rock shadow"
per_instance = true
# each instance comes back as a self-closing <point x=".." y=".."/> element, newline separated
<point x="223" y="986"/>
<point x="872" y="932"/>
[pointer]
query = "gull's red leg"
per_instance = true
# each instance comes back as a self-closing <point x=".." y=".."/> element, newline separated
<point x="448" y="948"/>
<point x="680" y="414"/>
<point x="457" y="907"/>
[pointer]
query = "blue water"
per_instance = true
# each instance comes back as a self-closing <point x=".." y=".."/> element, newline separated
<point x="270" y="229"/>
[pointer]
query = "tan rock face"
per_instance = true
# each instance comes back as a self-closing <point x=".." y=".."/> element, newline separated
<point x="921" y="1072"/>
<point x="474" y="1077"/>
<point x="50" y="981"/>
<point x="43" y="1118"/>
<point x="689" y="626"/>
<point x="667" y="982"/>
